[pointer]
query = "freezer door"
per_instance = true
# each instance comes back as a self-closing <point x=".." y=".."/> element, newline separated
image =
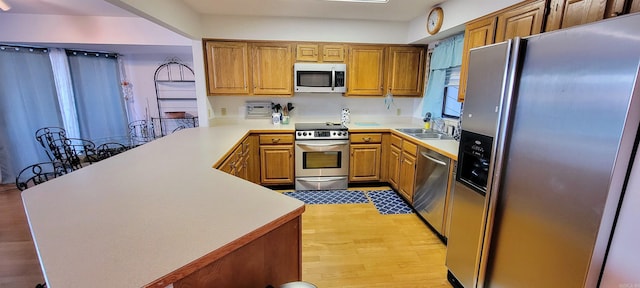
<point x="567" y="154"/>
<point x="487" y="76"/>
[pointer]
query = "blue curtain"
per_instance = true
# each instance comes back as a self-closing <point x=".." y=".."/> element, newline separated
<point x="28" y="101"/>
<point x="99" y="102"/>
<point x="447" y="54"/>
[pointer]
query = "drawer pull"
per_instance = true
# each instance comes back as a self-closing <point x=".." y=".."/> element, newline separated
<point x="275" y="140"/>
<point x="367" y="139"/>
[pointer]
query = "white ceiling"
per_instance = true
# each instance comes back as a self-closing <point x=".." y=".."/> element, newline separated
<point x="395" y="10"/>
<point x="66" y="7"/>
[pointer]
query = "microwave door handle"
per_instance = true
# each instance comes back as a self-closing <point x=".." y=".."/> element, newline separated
<point x="333" y="79"/>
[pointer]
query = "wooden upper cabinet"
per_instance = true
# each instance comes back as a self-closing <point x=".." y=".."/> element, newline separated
<point x="227" y="67"/>
<point x="521" y="21"/>
<point x="405" y="71"/>
<point x="477" y="34"/>
<point x="311" y="52"/>
<point x="365" y="70"/>
<point x="568" y="13"/>
<point x="332" y="53"/>
<point x="635" y="6"/>
<point x="272" y="69"/>
<point x="307" y="52"/>
<point x="614" y="8"/>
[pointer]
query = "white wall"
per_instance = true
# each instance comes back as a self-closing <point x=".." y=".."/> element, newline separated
<point x="171" y="14"/>
<point x="30" y="28"/>
<point x="303" y="29"/>
<point x="456" y="13"/>
<point x="325" y="107"/>
<point x="140" y="69"/>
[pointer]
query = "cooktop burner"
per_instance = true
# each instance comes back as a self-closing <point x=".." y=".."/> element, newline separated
<point x="334" y="126"/>
<point x="327" y="130"/>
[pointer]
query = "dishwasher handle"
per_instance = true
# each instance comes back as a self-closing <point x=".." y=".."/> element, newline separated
<point x="433" y="159"/>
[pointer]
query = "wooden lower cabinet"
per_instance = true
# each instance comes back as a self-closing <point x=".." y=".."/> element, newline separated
<point x="402" y="166"/>
<point x="276" y="164"/>
<point x="270" y="260"/>
<point x="395" y="154"/>
<point x="365" y="153"/>
<point x="243" y="161"/>
<point x="276" y="159"/>
<point x="407" y="175"/>
<point x="364" y="164"/>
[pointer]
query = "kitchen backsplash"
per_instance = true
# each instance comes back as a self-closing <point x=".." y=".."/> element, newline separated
<point x="328" y="105"/>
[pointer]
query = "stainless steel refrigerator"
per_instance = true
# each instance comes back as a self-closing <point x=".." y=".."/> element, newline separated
<point x="549" y="127"/>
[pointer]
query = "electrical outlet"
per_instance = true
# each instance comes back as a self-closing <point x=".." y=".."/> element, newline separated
<point x="223" y="111"/>
<point x="398" y="111"/>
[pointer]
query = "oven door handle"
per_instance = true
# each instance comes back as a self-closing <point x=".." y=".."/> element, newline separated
<point x="324" y="179"/>
<point x="322" y="145"/>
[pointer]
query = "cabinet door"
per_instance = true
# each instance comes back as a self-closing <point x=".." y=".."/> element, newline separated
<point x="364" y="164"/>
<point x="272" y="69"/>
<point x="405" y="66"/>
<point x="407" y="175"/>
<point x="307" y="52"/>
<point x="394" y="166"/>
<point x="365" y="72"/>
<point x="253" y="160"/>
<point x="227" y="68"/>
<point x="332" y="53"/>
<point x="477" y="34"/>
<point x="613" y="8"/>
<point x="276" y="164"/>
<point x="635" y="6"/>
<point x="521" y="21"/>
<point x="568" y="13"/>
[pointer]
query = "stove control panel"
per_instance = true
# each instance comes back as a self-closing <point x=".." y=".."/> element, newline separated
<point x="322" y="134"/>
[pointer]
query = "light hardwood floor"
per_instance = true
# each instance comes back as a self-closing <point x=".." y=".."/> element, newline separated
<point x="344" y="245"/>
<point x="19" y="265"/>
<point x="352" y="245"/>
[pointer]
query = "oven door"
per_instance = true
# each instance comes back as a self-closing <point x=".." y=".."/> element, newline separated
<point x="318" y="158"/>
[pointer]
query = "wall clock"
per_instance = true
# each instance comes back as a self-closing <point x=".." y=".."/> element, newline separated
<point x="434" y="20"/>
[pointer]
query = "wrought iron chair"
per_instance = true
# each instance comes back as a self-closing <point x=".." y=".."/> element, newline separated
<point x="107" y="150"/>
<point x="39" y="173"/>
<point x="73" y="153"/>
<point x="141" y="132"/>
<point x="47" y="136"/>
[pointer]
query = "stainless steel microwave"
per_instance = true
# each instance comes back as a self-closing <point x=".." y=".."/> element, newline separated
<point x="320" y="77"/>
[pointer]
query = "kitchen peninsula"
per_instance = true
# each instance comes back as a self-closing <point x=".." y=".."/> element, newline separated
<point x="160" y="214"/>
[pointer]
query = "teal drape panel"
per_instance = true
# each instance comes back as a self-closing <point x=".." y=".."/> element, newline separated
<point x="28" y="101"/>
<point x="447" y="54"/>
<point x="100" y="105"/>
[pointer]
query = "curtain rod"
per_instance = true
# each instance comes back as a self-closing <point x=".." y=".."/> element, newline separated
<point x="15" y="47"/>
<point x="91" y="53"/>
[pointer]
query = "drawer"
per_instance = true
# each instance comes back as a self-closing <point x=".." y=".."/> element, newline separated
<point x="267" y="139"/>
<point x="410" y="148"/>
<point x="366" y="138"/>
<point x="396" y="141"/>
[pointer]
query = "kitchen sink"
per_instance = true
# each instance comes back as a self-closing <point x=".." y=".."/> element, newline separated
<point x="430" y="135"/>
<point x="424" y="134"/>
<point x="414" y="130"/>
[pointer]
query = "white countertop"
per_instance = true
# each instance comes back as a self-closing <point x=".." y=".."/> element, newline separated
<point x="138" y="216"/>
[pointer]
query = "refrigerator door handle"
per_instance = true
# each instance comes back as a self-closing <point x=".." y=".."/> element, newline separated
<point x="504" y="119"/>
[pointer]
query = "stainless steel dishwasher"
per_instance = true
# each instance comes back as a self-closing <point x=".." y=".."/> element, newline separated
<point x="432" y="175"/>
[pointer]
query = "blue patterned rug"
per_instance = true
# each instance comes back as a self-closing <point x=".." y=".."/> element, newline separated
<point x="385" y="201"/>
<point x="388" y="202"/>
<point x="329" y="196"/>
